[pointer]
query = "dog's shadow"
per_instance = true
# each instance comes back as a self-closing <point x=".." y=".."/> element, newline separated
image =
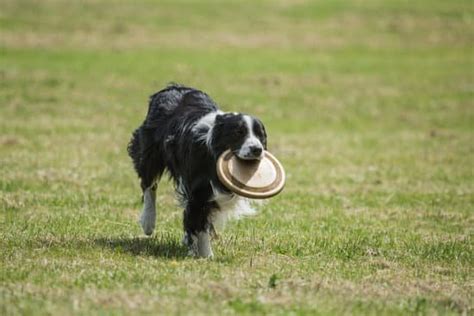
<point x="155" y="246"/>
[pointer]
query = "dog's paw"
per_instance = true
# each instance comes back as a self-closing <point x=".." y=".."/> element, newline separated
<point x="195" y="253"/>
<point x="147" y="221"/>
<point x="208" y="254"/>
<point x="196" y="247"/>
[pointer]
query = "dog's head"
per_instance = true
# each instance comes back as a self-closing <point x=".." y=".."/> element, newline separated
<point x="243" y="134"/>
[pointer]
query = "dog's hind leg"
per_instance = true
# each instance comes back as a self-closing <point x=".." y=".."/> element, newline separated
<point x="148" y="216"/>
<point x="149" y="165"/>
<point x="150" y="168"/>
<point x="149" y="186"/>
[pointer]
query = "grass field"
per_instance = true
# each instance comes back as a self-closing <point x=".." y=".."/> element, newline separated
<point x="368" y="104"/>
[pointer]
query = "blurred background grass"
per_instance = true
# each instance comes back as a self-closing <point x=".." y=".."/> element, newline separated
<point x="369" y="105"/>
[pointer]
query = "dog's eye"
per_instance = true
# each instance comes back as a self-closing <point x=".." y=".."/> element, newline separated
<point x="257" y="132"/>
<point x="240" y="131"/>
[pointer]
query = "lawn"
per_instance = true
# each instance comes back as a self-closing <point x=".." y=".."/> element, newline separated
<point x="368" y="105"/>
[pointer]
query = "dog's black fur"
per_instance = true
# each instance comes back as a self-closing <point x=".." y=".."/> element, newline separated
<point x="173" y="138"/>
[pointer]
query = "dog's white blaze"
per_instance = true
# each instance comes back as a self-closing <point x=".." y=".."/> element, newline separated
<point x="251" y="140"/>
<point x="148" y="216"/>
<point x="207" y="121"/>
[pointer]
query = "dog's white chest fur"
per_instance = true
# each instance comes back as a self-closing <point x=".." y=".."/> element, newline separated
<point x="230" y="207"/>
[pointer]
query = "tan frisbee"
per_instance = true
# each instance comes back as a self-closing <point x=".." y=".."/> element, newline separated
<point x="256" y="179"/>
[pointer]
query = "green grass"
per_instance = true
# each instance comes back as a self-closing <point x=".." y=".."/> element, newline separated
<point x="368" y="104"/>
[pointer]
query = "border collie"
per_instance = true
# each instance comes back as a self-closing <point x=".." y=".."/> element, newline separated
<point x="184" y="133"/>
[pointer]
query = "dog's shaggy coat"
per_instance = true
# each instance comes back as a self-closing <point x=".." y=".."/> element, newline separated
<point x="184" y="133"/>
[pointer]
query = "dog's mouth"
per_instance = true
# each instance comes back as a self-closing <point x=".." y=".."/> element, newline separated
<point x="248" y="156"/>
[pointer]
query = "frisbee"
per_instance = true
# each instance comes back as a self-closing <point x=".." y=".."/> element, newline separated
<point x="256" y="179"/>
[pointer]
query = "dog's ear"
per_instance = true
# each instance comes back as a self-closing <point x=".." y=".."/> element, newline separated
<point x="264" y="137"/>
<point x="219" y="118"/>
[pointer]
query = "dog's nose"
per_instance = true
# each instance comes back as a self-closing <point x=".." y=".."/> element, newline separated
<point x="256" y="150"/>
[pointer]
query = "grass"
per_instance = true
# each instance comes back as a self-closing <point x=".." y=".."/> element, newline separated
<point x="368" y="104"/>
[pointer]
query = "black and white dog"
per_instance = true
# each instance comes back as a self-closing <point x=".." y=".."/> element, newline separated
<point x="184" y="133"/>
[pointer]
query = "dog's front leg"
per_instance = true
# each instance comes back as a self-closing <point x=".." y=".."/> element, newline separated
<point x="198" y="229"/>
<point x="148" y="216"/>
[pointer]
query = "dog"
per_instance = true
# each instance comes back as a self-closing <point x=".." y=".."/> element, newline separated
<point x="184" y="133"/>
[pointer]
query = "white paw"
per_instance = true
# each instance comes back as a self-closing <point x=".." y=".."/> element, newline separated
<point x="206" y="254"/>
<point x="196" y="253"/>
<point x="147" y="221"/>
<point x="198" y="246"/>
